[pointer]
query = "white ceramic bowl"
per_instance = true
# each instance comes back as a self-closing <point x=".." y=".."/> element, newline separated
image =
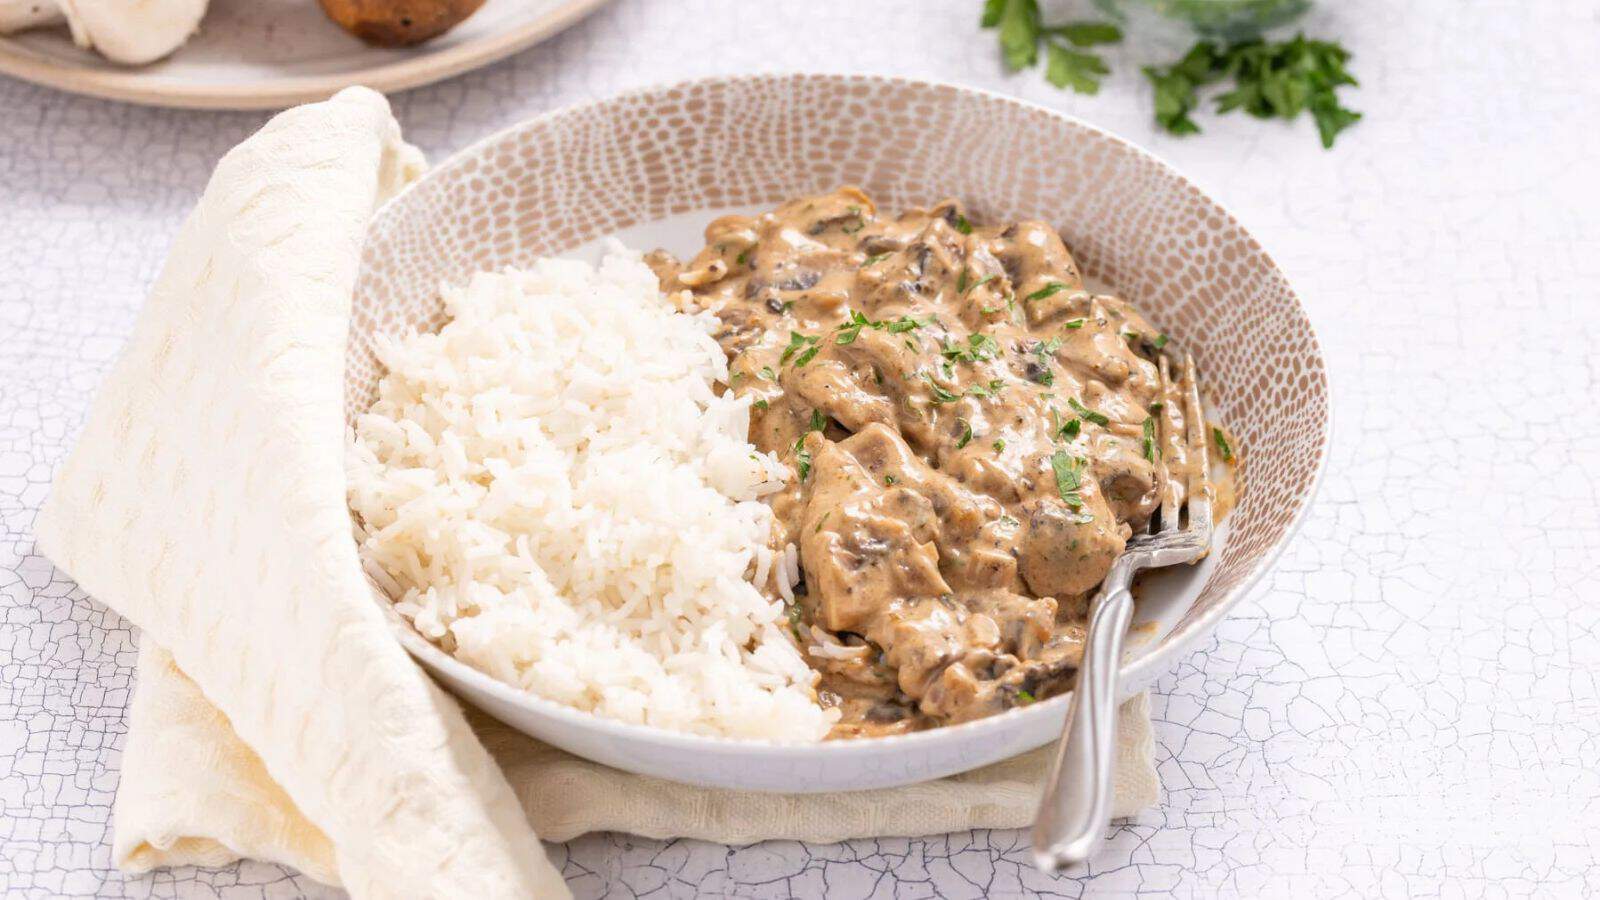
<point x="654" y="166"/>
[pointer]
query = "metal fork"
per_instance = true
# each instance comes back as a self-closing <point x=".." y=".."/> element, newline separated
<point x="1076" y="806"/>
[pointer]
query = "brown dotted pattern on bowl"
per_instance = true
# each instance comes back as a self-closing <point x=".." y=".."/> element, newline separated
<point x="560" y="181"/>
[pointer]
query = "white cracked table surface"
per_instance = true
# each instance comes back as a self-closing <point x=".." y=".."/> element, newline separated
<point x="1407" y="706"/>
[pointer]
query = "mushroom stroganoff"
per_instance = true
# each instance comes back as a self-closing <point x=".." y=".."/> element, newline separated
<point x="973" y="436"/>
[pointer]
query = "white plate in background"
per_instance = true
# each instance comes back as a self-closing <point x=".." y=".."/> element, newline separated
<point x="269" y="54"/>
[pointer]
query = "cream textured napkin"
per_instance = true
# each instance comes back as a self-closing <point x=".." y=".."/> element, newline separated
<point x="276" y="716"/>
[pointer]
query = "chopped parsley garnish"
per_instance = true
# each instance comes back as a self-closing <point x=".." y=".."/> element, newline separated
<point x="907" y="323"/>
<point x="1156" y="407"/>
<point x="889" y="479"/>
<point x="1048" y="290"/>
<point x="798" y="342"/>
<point x="768" y="374"/>
<point x="940" y="395"/>
<point x="1070" y="430"/>
<point x="966" y="434"/>
<point x="979" y="283"/>
<point x="962" y="225"/>
<point x="760" y="404"/>
<point x="1087" y="413"/>
<point x="874" y="259"/>
<point x="1150" y="439"/>
<point x="744" y="257"/>
<point x="978" y="347"/>
<point x="961" y="281"/>
<point x="1045" y="351"/>
<point x="1159" y="342"/>
<point x="989" y="390"/>
<point x="807" y="356"/>
<point x="999" y="446"/>
<point x="1074" y="323"/>
<point x="851" y="330"/>
<point x="1024" y="698"/>
<point x="1130" y="335"/>
<point x="1068" y="470"/>
<point x="801" y="454"/>
<point x="1222" y="444"/>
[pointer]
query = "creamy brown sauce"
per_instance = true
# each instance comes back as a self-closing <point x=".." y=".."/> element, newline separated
<point x="974" y="436"/>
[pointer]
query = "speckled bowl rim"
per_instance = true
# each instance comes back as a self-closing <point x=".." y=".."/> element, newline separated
<point x="1138" y="670"/>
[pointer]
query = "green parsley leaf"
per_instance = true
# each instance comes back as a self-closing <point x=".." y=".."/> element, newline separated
<point x="966" y="434"/>
<point x="1048" y="290"/>
<point x="1222" y="444"/>
<point x="875" y="259"/>
<point x="889" y="479"/>
<point x="801" y="454"/>
<point x="979" y="283"/>
<point x="851" y="330"/>
<point x="939" y="394"/>
<point x="907" y="323"/>
<point x="978" y="347"/>
<point x="1024" y="698"/>
<point x="1087" y="413"/>
<point x="1175" y="86"/>
<point x="797" y="342"/>
<point x="768" y="374"/>
<point x="1074" y="323"/>
<point x="999" y="446"/>
<point x="744" y="257"/>
<point x="1088" y="34"/>
<point x="1331" y="118"/>
<point x="760" y="404"/>
<point x="1068" y="470"/>
<point x="807" y="356"/>
<point x="1150" y="438"/>
<point x="1018" y="21"/>
<point x="1070" y="430"/>
<point x="1160" y="341"/>
<point x="1076" y="69"/>
<point x="962" y="225"/>
<point x="989" y="390"/>
<point x="1021" y="29"/>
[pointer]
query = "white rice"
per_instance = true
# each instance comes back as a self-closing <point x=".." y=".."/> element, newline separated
<point x="556" y="494"/>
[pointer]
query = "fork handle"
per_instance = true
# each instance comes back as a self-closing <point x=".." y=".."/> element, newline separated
<point x="1076" y="806"/>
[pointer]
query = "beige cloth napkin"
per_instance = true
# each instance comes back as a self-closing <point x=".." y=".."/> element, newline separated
<point x="276" y="717"/>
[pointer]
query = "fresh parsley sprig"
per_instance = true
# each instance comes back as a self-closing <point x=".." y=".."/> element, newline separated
<point x="1271" y="80"/>
<point x="1067" y="64"/>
